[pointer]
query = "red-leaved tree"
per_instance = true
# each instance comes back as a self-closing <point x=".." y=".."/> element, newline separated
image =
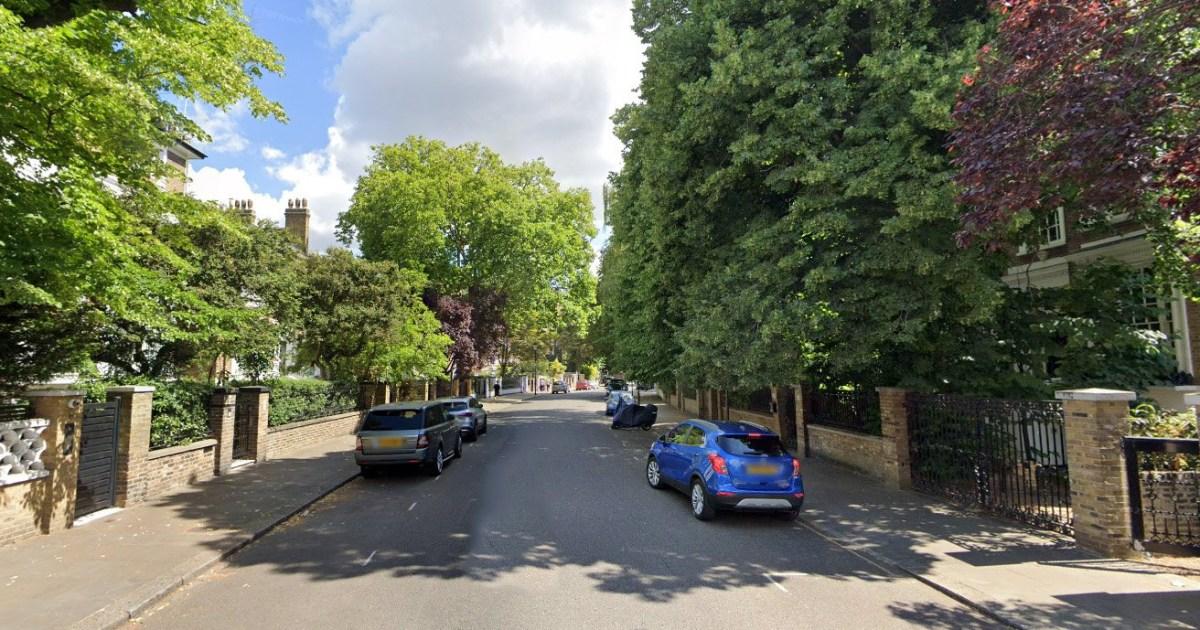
<point x="1086" y="103"/>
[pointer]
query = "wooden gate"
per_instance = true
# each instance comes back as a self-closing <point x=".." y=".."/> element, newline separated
<point x="97" y="484"/>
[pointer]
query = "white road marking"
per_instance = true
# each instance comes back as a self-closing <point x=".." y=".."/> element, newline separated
<point x="782" y="574"/>
<point x="369" y="558"/>
<point x="412" y="506"/>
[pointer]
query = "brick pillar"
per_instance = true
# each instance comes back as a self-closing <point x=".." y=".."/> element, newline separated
<point x="64" y="410"/>
<point x="893" y="409"/>
<point x="1095" y="420"/>
<point x="222" y="411"/>
<point x="254" y="405"/>
<point x="133" y="440"/>
<point x="383" y="393"/>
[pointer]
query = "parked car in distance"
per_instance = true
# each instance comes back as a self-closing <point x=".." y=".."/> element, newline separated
<point x="471" y="416"/>
<point x="582" y="385"/>
<point x="559" y="387"/>
<point x="727" y="465"/>
<point x="617" y="385"/>
<point x="409" y="433"/>
<point x="614" y="399"/>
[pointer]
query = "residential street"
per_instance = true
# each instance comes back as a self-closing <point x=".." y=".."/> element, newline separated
<point x="546" y="522"/>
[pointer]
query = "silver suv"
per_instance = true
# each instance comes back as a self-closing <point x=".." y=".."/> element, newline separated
<point x="408" y="433"/>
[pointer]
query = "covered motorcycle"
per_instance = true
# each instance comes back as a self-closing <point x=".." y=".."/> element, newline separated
<point x="632" y="416"/>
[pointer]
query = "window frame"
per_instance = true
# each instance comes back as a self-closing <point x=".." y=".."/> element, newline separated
<point x="1059" y="223"/>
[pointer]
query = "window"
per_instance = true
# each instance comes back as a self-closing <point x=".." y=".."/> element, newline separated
<point x="458" y="405"/>
<point x="682" y="434"/>
<point x="1156" y="315"/>
<point x="764" y="445"/>
<point x="1052" y="232"/>
<point x="694" y="437"/>
<point x="393" y="420"/>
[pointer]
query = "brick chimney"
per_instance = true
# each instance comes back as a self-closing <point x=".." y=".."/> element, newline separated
<point x="242" y="209"/>
<point x="295" y="221"/>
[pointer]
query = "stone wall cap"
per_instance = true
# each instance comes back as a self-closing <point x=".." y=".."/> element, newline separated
<point x="52" y="393"/>
<point x="1191" y="400"/>
<point x="891" y="389"/>
<point x="226" y="391"/>
<point x="253" y="389"/>
<point x="130" y="389"/>
<point x="1095" y="394"/>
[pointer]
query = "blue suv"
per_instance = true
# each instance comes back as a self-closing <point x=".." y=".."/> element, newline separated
<point x="727" y="465"/>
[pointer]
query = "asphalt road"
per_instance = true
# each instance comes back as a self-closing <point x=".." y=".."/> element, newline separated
<point x="546" y="522"/>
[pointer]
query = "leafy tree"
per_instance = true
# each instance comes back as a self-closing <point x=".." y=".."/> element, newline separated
<point x="1094" y="106"/>
<point x="91" y="96"/>
<point x="786" y="208"/>
<point x="365" y="320"/>
<point x="503" y="238"/>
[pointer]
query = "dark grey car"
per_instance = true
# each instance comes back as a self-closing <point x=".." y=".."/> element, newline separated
<point x="419" y="433"/>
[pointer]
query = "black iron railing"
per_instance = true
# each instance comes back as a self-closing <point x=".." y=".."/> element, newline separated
<point x="1163" y="475"/>
<point x="856" y="410"/>
<point x="1008" y="457"/>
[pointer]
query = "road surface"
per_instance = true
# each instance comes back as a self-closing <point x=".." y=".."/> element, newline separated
<point x="546" y="522"/>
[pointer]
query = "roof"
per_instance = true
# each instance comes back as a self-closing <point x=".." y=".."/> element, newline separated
<point x="730" y="426"/>
<point x="454" y="399"/>
<point x="411" y="404"/>
<point x="188" y="151"/>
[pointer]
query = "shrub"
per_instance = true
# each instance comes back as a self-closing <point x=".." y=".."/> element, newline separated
<point x="179" y="413"/>
<point x="1147" y="420"/>
<point x="293" y="400"/>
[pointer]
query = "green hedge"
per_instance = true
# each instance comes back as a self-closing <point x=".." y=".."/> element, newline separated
<point x="293" y="400"/>
<point x="179" y="414"/>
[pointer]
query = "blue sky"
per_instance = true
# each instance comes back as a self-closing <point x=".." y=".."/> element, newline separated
<point x="529" y="78"/>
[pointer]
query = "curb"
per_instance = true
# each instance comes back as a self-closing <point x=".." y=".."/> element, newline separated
<point x="140" y="601"/>
<point x="892" y="566"/>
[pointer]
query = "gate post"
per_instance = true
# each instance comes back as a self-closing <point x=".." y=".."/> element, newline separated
<point x="134" y="404"/>
<point x="1094" y="421"/>
<point x="254" y="403"/>
<point x="893" y="411"/>
<point x="801" y="418"/>
<point x="64" y="410"/>
<point x="222" y="411"/>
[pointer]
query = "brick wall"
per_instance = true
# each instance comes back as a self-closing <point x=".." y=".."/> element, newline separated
<point x="291" y="436"/>
<point x="858" y="451"/>
<point x="169" y="468"/>
<point x="22" y="509"/>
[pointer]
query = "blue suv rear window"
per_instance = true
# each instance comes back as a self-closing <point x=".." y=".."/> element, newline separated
<point x="394" y="420"/>
<point x="764" y="445"/>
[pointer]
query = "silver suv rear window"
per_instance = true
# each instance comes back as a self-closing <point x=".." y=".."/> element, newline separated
<point x="394" y="420"/>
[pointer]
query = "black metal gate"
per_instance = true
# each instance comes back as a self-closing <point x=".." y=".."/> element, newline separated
<point x="1008" y="457"/>
<point x="97" y="485"/>
<point x="1163" y="475"/>
<point x="243" y="409"/>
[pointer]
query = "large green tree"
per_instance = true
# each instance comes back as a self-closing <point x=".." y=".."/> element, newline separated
<point x="90" y="93"/>
<point x="786" y="208"/>
<point x="365" y="320"/>
<point x="475" y="225"/>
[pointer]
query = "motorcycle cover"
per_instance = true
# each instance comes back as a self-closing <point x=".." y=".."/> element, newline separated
<point x="629" y="416"/>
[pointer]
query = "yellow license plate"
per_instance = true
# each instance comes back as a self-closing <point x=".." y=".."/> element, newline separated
<point x="392" y="442"/>
<point x="762" y="469"/>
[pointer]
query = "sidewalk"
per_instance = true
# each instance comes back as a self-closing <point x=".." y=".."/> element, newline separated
<point x="100" y="574"/>
<point x="1027" y="578"/>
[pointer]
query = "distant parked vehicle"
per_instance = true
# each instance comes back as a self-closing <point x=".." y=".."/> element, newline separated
<point x="614" y="401"/>
<point x="559" y="387"/>
<point x="410" y="433"/>
<point x="727" y="465"/>
<point x="582" y="386"/>
<point x="617" y="385"/>
<point x="471" y="416"/>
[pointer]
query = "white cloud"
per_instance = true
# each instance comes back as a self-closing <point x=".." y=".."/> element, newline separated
<point x="528" y="78"/>
<point x="315" y="176"/>
<point x="222" y="125"/>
